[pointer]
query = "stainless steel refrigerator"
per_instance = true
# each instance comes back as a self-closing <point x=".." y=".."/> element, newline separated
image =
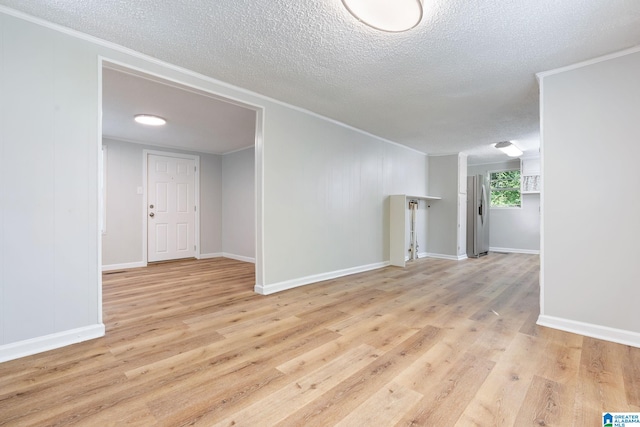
<point x="478" y="215"/>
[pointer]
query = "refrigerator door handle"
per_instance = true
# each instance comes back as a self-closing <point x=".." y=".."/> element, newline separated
<point x="483" y="201"/>
<point x="480" y="210"/>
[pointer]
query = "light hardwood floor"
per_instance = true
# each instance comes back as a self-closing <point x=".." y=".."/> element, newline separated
<point x="439" y="343"/>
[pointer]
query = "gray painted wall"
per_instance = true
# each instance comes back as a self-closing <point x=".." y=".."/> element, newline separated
<point x="512" y="229"/>
<point x="49" y="264"/>
<point x="321" y="186"/>
<point x="210" y="204"/>
<point x="591" y="122"/>
<point x="122" y="242"/>
<point x="238" y="204"/>
<point x="443" y="227"/>
<point x="325" y="195"/>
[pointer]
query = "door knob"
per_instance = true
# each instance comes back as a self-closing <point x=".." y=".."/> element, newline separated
<point x="152" y="214"/>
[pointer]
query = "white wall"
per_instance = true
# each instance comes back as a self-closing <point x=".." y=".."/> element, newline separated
<point x="590" y="126"/>
<point x="122" y="240"/>
<point x="512" y="229"/>
<point x="325" y="197"/>
<point x="210" y="204"/>
<point x="443" y="214"/>
<point x="122" y="243"/>
<point x="321" y="186"/>
<point x="238" y="205"/>
<point x="49" y="261"/>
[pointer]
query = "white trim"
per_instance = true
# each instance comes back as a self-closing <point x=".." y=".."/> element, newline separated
<point x="102" y="185"/>
<point x="238" y="150"/>
<point x="172" y="154"/>
<point x="445" y="256"/>
<point x="123" y="266"/>
<point x="160" y="147"/>
<point x="294" y="283"/>
<point x="99" y="207"/>
<point x="159" y="79"/>
<point x="239" y="257"/>
<point x="259" y="197"/>
<point x="228" y="255"/>
<point x="515" y="250"/>
<point x="588" y="62"/>
<point x="542" y="175"/>
<point x="422" y="255"/>
<point x="211" y="255"/>
<point x="49" y="342"/>
<point x="606" y="333"/>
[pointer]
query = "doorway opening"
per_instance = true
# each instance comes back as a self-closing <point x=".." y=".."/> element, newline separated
<point x="207" y="134"/>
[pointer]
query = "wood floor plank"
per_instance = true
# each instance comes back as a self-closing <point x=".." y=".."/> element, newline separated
<point x="189" y="343"/>
<point x="338" y="402"/>
<point x="631" y="375"/>
<point x="495" y="335"/>
<point x="500" y="397"/>
<point x="236" y="385"/>
<point x="448" y="392"/>
<point x="384" y="408"/>
<point x="544" y="405"/>
<point x="600" y="383"/>
<point x="304" y="390"/>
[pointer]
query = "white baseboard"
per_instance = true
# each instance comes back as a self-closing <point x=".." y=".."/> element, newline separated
<point x="515" y="251"/>
<point x="211" y="255"/>
<point x="49" y="342"/>
<point x="606" y="333"/>
<point x="294" y="283"/>
<point x="239" y="257"/>
<point x="444" y="256"/>
<point x="420" y="255"/>
<point x="124" y="266"/>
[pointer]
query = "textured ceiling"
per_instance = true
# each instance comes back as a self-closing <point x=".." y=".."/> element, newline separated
<point x="462" y="79"/>
<point x="195" y="121"/>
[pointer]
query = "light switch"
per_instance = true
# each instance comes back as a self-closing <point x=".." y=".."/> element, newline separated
<point x="139" y="190"/>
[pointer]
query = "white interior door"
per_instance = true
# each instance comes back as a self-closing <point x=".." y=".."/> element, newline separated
<point x="171" y="208"/>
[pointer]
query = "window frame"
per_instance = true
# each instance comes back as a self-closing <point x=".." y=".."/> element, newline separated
<point x="518" y="188"/>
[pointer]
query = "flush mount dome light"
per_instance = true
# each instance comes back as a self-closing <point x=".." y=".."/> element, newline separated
<point x="150" y="119"/>
<point x="386" y="15"/>
<point x="509" y="149"/>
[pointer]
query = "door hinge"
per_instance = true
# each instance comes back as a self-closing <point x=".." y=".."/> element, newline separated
<point x="194" y="208"/>
<point x="195" y="168"/>
<point x="194" y="247"/>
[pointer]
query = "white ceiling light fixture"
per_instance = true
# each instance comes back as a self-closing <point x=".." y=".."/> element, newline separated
<point x="150" y="119"/>
<point x="509" y="149"/>
<point x="387" y="15"/>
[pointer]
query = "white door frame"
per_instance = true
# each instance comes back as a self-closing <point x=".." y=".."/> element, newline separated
<point x="202" y="83"/>
<point x="145" y="179"/>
